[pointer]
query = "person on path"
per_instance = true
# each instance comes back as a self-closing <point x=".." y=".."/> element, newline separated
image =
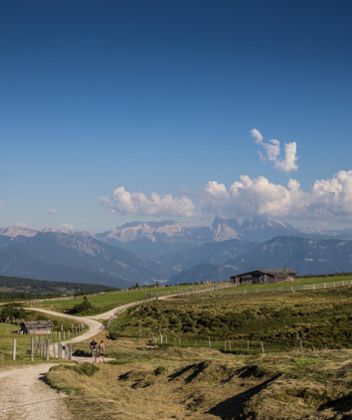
<point x="102" y="351"/>
<point x="94" y="350"/>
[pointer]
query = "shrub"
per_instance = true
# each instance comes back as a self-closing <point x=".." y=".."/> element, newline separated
<point x="84" y="306"/>
<point x="11" y="311"/>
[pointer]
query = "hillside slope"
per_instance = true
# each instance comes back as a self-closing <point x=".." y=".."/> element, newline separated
<point x="75" y="258"/>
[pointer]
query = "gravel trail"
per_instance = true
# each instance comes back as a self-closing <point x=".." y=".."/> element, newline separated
<point x="24" y="396"/>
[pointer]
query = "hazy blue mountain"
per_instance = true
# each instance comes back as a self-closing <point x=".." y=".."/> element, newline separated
<point x="156" y="240"/>
<point x="216" y="253"/>
<point x="305" y="255"/>
<point x="146" y="252"/>
<point x="76" y="258"/>
<point x="168" y="242"/>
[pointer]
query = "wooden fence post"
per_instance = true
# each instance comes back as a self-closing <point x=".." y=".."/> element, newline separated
<point x="209" y="341"/>
<point x="47" y="356"/>
<point x="32" y="349"/>
<point x="14" y="350"/>
<point x="262" y="346"/>
<point x="247" y="345"/>
<point x="40" y="345"/>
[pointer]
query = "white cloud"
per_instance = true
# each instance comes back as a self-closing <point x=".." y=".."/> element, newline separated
<point x="333" y="196"/>
<point x="52" y="212"/>
<point x="253" y="196"/>
<point x="273" y="152"/>
<point x="257" y="135"/>
<point x="327" y="199"/>
<point x="137" y="203"/>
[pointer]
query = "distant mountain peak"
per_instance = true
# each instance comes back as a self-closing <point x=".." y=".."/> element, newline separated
<point x="258" y="228"/>
<point x="152" y="231"/>
<point x="225" y="229"/>
<point x="19" y="230"/>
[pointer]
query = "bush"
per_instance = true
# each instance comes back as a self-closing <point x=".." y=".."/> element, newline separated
<point x="11" y="311"/>
<point x="84" y="306"/>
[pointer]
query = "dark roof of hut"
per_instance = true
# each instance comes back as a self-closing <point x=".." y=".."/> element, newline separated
<point x="270" y="272"/>
<point x="38" y="325"/>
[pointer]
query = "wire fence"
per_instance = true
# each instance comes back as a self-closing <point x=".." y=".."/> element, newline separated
<point x="292" y="288"/>
<point x="247" y="346"/>
<point x="34" y="347"/>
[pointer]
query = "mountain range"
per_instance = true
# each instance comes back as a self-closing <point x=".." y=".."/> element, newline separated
<point x="174" y="252"/>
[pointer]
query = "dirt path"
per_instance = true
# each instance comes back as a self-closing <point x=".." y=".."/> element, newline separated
<point x="24" y="396"/>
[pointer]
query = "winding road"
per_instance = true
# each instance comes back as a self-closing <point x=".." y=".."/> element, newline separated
<point x="24" y="396"/>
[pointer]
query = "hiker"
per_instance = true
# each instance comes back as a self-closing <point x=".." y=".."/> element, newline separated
<point x="102" y="351"/>
<point x="93" y="348"/>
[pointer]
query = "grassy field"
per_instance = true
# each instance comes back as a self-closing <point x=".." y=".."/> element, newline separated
<point x="179" y="383"/>
<point x="303" y="283"/>
<point x="9" y="331"/>
<point x="7" y="334"/>
<point x="283" y="322"/>
<point x="177" y="380"/>
<point x="105" y="301"/>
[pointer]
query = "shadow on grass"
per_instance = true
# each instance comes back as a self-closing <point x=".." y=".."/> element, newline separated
<point x="194" y="370"/>
<point x="341" y="405"/>
<point x="233" y="407"/>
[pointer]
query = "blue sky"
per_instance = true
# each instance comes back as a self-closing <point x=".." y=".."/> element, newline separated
<point x="161" y="97"/>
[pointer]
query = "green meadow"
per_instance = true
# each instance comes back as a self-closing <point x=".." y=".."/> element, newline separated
<point x="232" y="320"/>
<point x="105" y="301"/>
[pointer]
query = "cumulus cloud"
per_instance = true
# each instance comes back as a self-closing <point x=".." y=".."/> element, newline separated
<point x="327" y="199"/>
<point x="253" y="196"/>
<point x="333" y="196"/>
<point x="272" y="149"/>
<point x="137" y="203"/>
<point x="52" y="212"/>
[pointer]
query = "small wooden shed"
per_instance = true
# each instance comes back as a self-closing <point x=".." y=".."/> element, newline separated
<point x="264" y="276"/>
<point x="41" y="327"/>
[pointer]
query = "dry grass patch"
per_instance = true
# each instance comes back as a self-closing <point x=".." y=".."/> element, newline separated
<point x="179" y="386"/>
